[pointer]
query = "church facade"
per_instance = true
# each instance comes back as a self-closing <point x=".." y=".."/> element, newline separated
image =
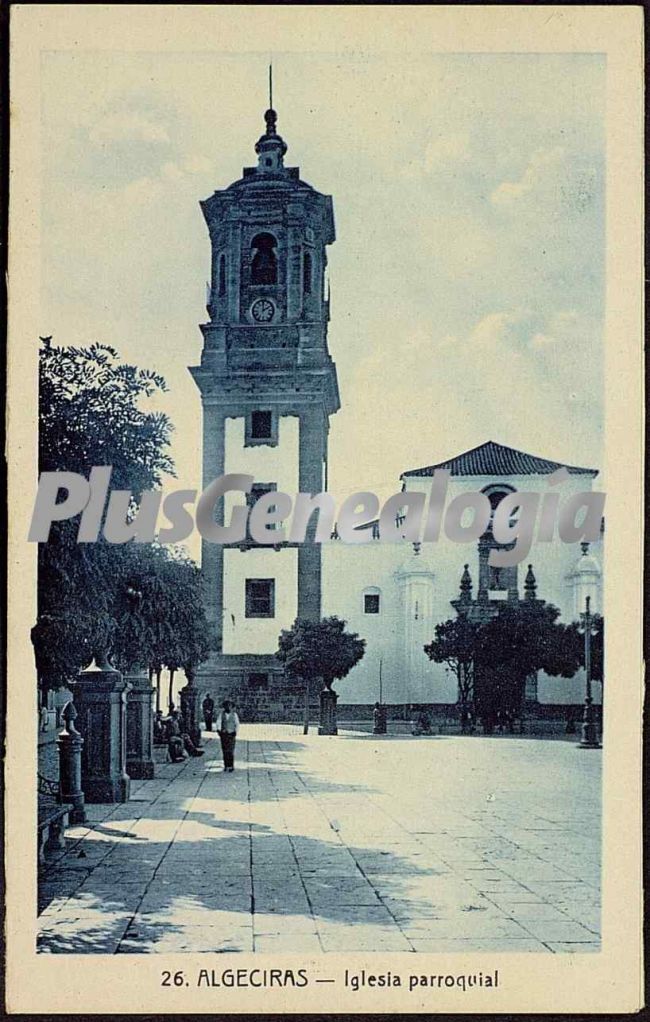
<point x="268" y="388"/>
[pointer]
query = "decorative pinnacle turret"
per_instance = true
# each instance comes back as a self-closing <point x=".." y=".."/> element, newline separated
<point x="466" y="585"/>
<point x="530" y="584"/>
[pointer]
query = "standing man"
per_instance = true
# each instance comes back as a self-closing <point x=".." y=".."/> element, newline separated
<point x="208" y="711"/>
<point x="227" y="728"/>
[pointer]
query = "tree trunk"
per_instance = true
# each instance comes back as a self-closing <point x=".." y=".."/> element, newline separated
<point x="171" y="687"/>
<point x="151" y="677"/>
<point x="305" y="722"/>
<point x="158" y="686"/>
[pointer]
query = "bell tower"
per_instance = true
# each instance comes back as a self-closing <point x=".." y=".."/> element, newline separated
<point x="268" y="388"/>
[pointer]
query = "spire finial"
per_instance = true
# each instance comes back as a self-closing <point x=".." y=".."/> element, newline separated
<point x="270" y="116"/>
<point x="270" y="148"/>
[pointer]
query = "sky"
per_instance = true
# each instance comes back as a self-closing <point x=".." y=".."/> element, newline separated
<point x="467" y="278"/>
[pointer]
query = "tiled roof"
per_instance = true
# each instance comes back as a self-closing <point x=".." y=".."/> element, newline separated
<point x="492" y="459"/>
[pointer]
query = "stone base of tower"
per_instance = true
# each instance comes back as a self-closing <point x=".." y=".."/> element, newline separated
<point x="256" y="683"/>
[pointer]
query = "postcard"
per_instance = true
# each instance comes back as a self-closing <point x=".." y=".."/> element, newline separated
<point x="325" y="509"/>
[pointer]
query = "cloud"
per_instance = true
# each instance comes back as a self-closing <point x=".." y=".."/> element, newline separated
<point x="494" y="329"/>
<point x="542" y="167"/>
<point x="564" y="327"/>
<point x="442" y="153"/>
<point x="127" y="126"/>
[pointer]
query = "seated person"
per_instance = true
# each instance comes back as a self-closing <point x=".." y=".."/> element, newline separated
<point x="176" y="729"/>
<point x="422" y="724"/>
<point x="174" y="738"/>
<point x="159" y="729"/>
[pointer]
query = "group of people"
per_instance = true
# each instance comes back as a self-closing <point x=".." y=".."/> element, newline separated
<point x="173" y="733"/>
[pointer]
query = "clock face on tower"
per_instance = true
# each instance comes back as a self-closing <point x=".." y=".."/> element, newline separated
<point x="263" y="310"/>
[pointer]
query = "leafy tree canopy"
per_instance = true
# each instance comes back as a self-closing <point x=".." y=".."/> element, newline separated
<point x="319" y="649"/>
<point x="493" y="659"/>
<point x="141" y="601"/>
<point x="455" y="645"/>
<point x="90" y="414"/>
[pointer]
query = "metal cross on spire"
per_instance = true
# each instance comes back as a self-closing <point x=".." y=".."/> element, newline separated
<point x="270" y="86"/>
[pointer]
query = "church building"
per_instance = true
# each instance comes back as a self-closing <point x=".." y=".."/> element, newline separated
<point x="268" y="388"/>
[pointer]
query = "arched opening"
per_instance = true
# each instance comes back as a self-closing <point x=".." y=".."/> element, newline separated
<point x="498" y="581"/>
<point x="306" y="273"/>
<point x="222" y="276"/>
<point x="264" y="263"/>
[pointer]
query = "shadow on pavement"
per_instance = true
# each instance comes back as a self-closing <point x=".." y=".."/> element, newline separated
<point x="117" y="890"/>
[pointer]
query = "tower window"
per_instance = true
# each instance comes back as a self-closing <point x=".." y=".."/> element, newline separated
<point x="258" y="490"/>
<point x="264" y="263"/>
<point x="261" y="425"/>
<point x="306" y="273"/>
<point x="260" y="597"/>
<point x="492" y="578"/>
<point x="222" y="276"/>
<point x="371" y="603"/>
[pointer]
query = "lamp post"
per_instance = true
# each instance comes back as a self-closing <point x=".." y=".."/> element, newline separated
<point x="379" y="716"/>
<point x="589" y="738"/>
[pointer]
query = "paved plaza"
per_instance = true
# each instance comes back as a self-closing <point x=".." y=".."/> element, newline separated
<point x="346" y="843"/>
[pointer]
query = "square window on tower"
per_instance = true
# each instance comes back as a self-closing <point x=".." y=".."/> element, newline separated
<point x="371" y="603"/>
<point x="261" y="425"/>
<point x="261" y="428"/>
<point x="259" y="490"/>
<point x="260" y="597"/>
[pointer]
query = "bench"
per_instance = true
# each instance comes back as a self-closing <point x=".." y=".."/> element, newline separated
<point x="52" y="821"/>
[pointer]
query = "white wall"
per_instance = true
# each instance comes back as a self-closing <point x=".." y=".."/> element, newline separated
<point x="258" y="635"/>
<point x="395" y="635"/>
<point x="266" y="464"/>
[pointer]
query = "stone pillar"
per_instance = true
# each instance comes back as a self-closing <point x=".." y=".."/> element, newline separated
<point x="70" y="744"/>
<point x="100" y="700"/>
<point x="139" y="726"/>
<point x="312" y="442"/>
<point x="328" y="701"/>
<point x="189" y="696"/>
<point x="379" y="721"/>
<point x="531" y="700"/>
<point x="214" y="426"/>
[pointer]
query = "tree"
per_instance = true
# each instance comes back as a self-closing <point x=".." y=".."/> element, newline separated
<point x="166" y="626"/>
<point x="90" y="414"/>
<point x="518" y="641"/>
<point x="454" y="644"/>
<point x="492" y="659"/>
<point x="323" y="649"/>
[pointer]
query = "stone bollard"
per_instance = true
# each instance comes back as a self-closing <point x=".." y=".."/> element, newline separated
<point x="70" y="744"/>
<point x="139" y="726"/>
<point x="189" y="698"/>
<point x="328" y="700"/>
<point x="379" y="720"/>
<point x="100" y="699"/>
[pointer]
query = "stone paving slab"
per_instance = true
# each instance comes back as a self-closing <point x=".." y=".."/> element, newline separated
<point x="320" y="845"/>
